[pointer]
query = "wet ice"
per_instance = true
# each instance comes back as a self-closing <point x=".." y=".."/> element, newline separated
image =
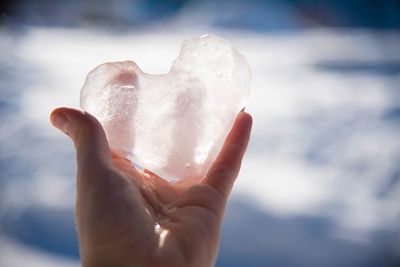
<point x="172" y="124"/>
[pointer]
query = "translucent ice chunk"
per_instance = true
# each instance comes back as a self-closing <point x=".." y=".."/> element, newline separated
<point x="172" y="124"/>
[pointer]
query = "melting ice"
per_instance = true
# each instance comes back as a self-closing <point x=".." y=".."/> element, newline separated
<point x="172" y="124"/>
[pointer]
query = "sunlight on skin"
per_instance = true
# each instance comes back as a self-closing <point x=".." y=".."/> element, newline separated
<point x="127" y="216"/>
<point x="162" y="233"/>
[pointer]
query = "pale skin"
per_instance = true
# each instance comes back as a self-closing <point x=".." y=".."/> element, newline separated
<point x="127" y="217"/>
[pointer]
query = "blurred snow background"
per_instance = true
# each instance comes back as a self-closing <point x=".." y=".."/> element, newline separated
<point x="320" y="185"/>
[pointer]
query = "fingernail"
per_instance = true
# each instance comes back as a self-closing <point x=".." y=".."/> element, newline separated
<point x="60" y="121"/>
<point x="246" y="123"/>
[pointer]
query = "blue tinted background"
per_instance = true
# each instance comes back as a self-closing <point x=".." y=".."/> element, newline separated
<point x="320" y="183"/>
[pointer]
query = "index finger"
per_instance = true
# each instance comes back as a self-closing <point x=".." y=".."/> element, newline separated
<point x="225" y="168"/>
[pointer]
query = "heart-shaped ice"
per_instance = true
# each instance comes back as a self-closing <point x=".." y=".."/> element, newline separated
<point x="172" y="124"/>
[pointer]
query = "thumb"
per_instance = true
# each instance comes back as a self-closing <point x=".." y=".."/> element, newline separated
<point x="86" y="132"/>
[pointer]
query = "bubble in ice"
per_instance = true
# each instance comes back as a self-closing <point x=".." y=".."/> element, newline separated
<point x="172" y="124"/>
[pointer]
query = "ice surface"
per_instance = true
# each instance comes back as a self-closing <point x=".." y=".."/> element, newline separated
<point x="172" y="124"/>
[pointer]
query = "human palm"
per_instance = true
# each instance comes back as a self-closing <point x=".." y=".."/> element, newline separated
<point x="127" y="217"/>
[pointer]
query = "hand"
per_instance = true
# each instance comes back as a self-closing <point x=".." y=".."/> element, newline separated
<point x="127" y="217"/>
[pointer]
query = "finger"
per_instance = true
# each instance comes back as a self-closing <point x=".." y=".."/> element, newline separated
<point x="124" y="164"/>
<point x="226" y="166"/>
<point x="86" y="132"/>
